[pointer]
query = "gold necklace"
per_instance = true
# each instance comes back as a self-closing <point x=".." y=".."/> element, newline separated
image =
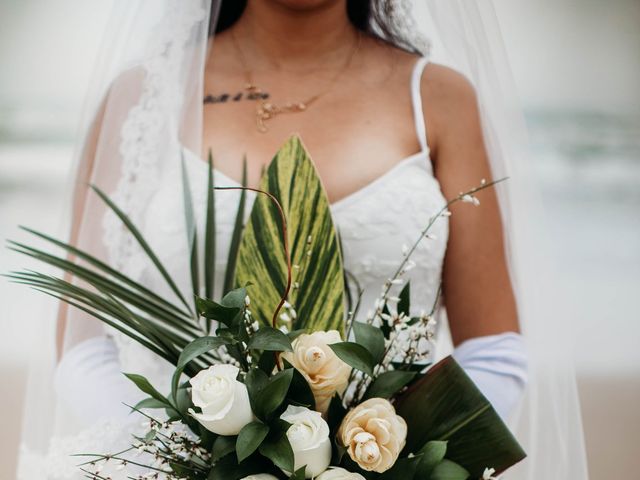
<point x="266" y="110"/>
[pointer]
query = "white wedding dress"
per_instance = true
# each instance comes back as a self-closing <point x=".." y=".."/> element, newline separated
<point x="375" y="223"/>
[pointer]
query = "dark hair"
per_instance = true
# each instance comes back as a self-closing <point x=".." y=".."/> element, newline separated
<point x="368" y="16"/>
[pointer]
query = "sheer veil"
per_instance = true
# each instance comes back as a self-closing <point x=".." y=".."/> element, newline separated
<point x="145" y="104"/>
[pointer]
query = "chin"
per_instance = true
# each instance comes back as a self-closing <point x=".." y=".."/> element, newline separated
<point x="303" y="5"/>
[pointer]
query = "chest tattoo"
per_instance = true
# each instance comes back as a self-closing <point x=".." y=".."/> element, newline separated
<point x="234" y="97"/>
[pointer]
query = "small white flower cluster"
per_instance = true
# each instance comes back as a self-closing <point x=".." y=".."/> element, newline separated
<point x="287" y="317"/>
<point x="469" y="197"/>
<point x="149" y="458"/>
<point x="411" y="340"/>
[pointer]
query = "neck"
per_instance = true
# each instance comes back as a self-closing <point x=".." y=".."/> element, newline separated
<point x="298" y="38"/>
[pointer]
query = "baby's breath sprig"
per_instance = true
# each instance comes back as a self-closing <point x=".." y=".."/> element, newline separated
<point x="401" y="325"/>
<point x="407" y="264"/>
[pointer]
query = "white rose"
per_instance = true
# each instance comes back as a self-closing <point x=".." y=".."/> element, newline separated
<point x="325" y="373"/>
<point x="224" y="400"/>
<point x="260" y="476"/>
<point x="373" y="434"/>
<point x="337" y="473"/>
<point x="309" y="439"/>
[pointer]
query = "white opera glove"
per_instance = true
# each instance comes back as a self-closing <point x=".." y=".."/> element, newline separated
<point x="497" y="364"/>
<point x="89" y="383"/>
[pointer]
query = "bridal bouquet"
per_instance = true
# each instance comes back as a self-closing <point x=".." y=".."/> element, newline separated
<point x="279" y="378"/>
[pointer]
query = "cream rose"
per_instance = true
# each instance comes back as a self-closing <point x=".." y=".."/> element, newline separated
<point x="373" y="434"/>
<point x="323" y="370"/>
<point x="309" y="439"/>
<point x="223" y="399"/>
<point x="339" y="474"/>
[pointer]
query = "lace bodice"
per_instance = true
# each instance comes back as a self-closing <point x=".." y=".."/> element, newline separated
<point x="375" y="223"/>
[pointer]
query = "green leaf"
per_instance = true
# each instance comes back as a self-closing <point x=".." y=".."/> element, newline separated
<point x="313" y="246"/>
<point x="389" y="383"/>
<point x="430" y="456"/>
<point x="222" y="446"/>
<point x="210" y="233"/>
<point x="270" y="339"/>
<point x="296" y="333"/>
<point x="250" y="438"/>
<point x="277" y="447"/>
<point x="336" y="414"/>
<point x="150" y="403"/>
<point x="143" y="384"/>
<point x="404" y="305"/>
<point x="448" y="470"/>
<point x="355" y="356"/>
<point x="272" y="395"/>
<point x="238" y="226"/>
<point x="371" y="338"/>
<point x="149" y="295"/>
<point x="216" y="311"/>
<point x="255" y="380"/>
<point x="235" y="298"/>
<point x="299" y="474"/>
<point x="446" y="405"/>
<point x="300" y="392"/>
<point x="404" y="468"/>
<point x="192" y="351"/>
<point x="191" y="230"/>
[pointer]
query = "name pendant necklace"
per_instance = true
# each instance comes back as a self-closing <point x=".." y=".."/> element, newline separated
<point x="266" y="109"/>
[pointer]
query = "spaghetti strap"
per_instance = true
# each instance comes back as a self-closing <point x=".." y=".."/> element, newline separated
<point x="416" y="100"/>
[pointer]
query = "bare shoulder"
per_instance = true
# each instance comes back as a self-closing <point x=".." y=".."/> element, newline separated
<point x="442" y="85"/>
<point x="449" y="103"/>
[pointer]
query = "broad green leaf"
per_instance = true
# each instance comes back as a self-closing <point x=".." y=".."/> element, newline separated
<point x="430" y="456"/>
<point x="371" y="338"/>
<point x="273" y="393"/>
<point x="448" y="470"/>
<point x="389" y="383"/>
<point x="354" y="355"/>
<point x="315" y="255"/>
<point x="446" y="405"/>
<point x="250" y="438"/>
<point x="270" y="339"/>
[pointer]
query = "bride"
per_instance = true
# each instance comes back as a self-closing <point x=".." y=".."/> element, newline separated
<point x="392" y="132"/>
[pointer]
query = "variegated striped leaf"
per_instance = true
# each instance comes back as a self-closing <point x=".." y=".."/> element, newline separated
<point x="318" y="285"/>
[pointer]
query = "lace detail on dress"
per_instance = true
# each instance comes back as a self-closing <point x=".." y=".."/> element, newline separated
<point x="143" y="133"/>
<point x="143" y="142"/>
<point x="59" y="462"/>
